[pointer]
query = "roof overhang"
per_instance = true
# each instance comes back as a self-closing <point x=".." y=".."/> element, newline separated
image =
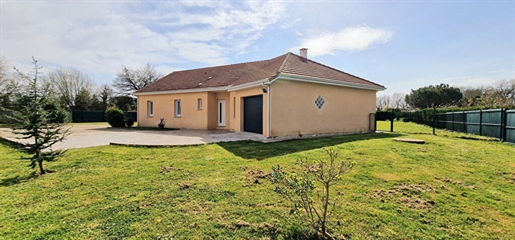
<point x="257" y="83"/>
<point x="191" y="90"/>
<point x="267" y="81"/>
<point x="294" y="77"/>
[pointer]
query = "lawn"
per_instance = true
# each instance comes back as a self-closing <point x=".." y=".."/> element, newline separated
<point x="454" y="186"/>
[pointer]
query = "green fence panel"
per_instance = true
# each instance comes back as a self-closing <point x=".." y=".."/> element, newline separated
<point x="492" y="123"/>
<point x="88" y="116"/>
<point x="96" y="116"/>
<point x="449" y="117"/>
<point x="473" y="120"/>
<point x="459" y="118"/>
<point x="133" y="115"/>
<point x="510" y="126"/>
<point x="492" y="116"/>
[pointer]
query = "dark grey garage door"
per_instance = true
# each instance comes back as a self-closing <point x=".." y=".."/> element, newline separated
<point x="253" y="114"/>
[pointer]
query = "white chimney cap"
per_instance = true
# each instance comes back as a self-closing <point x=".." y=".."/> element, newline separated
<point x="304" y="52"/>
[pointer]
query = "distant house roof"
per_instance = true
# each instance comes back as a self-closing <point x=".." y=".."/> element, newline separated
<point x="244" y="73"/>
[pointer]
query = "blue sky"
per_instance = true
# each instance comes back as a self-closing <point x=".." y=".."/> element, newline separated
<point x="402" y="45"/>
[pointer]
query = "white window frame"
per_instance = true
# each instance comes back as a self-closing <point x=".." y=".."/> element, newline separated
<point x="150" y="108"/>
<point x="178" y="108"/>
<point x="199" y="104"/>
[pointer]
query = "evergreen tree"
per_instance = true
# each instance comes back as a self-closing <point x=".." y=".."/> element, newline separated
<point x="434" y="96"/>
<point x="37" y="123"/>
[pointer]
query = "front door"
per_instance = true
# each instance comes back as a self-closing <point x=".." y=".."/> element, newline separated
<point x="221" y="113"/>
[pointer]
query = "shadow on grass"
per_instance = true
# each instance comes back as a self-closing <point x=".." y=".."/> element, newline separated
<point x="260" y="151"/>
<point x="10" y="143"/>
<point x="6" y="182"/>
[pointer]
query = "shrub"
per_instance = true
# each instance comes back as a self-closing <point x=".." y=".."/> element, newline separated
<point x="115" y="117"/>
<point x="301" y="188"/>
<point x="129" y="122"/>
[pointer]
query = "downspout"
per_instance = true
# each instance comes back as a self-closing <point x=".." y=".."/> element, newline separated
<point x="267" y="85"/>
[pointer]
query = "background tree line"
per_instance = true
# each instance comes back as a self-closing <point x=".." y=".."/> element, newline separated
<point x="75" y="90"/>
<point x="500" y="94"/>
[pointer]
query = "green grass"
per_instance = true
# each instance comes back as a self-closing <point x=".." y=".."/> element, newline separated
<point x="454" y="186"/>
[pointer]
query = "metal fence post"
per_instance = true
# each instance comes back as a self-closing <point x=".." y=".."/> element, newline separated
<point x="452" y="121"/>
<point x="392" y="117"/>
<point x="503" y="124"/>
<point x="480" y="122"/>
<point x="434" y="120"/>
<point x="463" y="120"/>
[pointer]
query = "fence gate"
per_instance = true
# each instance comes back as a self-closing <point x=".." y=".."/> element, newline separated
<point x="384" y="116"/>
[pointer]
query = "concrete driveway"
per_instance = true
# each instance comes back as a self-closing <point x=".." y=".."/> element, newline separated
<point x="90" y="135"/>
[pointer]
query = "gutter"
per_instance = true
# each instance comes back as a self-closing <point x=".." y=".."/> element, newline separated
<point x="267" y="85"/>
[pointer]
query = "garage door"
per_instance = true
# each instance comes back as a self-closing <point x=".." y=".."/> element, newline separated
<point x="253" y="114"/>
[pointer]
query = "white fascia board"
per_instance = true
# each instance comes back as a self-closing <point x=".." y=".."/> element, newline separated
<point x="211" y="89"/>
<point x="247" y="85"/>
<point x="300" y="78"/>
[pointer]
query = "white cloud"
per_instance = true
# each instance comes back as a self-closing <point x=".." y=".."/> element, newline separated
<point x="99" y="37"/>
<point x="347" y="39"/>
<point x="290" y="23"/>
<point x="500" y="70"/>
<point x="198" y="3"/>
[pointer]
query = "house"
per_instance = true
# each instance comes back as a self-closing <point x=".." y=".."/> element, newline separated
<point x="288" y="95"/>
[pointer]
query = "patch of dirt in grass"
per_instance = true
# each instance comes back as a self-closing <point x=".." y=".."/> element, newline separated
<point x="265" y="227"/>
<point x="508" y="177"/>
<point x="184" y="185"/>
<point x="226" y="226"/>
<point x="254" y="176"/>
<point x="417" y="203"/>
<point x="408" y="194"/>
<point x="199" y="209"/>
<point x="167" y="169"/>
<point x="448" y="180"/>
<point x="266" y="205"/>
<point x="241" y="223"/>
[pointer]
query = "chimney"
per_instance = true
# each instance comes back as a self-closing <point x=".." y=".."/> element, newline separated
<point x="304" y="53"/>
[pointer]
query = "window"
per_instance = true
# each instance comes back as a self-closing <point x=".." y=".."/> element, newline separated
<point x="199" y="104"/>
<point x="150" y="108"/>
<point x="319" y="102"/>
<point x="178" y="110"/>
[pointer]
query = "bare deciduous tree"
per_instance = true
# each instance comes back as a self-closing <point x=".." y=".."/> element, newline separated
<point x="500" y="94"/>
<point x="66" y="84"/>
<point x="128" y="80"/>
<point x="398" y="101"/>
<point x="382" y="102"/>
<point x="505" y="92"/>
<point x="9" y="85"/>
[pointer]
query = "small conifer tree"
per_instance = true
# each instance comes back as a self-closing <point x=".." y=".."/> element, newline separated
<point x="38" y="124"/>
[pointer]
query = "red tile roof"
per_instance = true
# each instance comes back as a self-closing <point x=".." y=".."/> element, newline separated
<point x="241" y="73"/>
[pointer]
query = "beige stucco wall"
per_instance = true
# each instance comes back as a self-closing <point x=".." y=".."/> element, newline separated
<point x="293" y="109"/>
<point x="191" y="118"/>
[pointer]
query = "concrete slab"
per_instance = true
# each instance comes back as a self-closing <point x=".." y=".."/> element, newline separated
<point x="90" y="135"/>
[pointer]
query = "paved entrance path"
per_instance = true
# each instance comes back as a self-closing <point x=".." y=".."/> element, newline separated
<point x="89" y="135"/>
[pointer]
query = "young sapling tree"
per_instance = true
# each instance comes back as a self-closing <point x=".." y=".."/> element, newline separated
<point x="309" y="188"/>
<point x="33" y="120"/>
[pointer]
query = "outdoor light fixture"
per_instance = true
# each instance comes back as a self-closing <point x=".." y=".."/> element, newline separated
<point x="264" y="90"/>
